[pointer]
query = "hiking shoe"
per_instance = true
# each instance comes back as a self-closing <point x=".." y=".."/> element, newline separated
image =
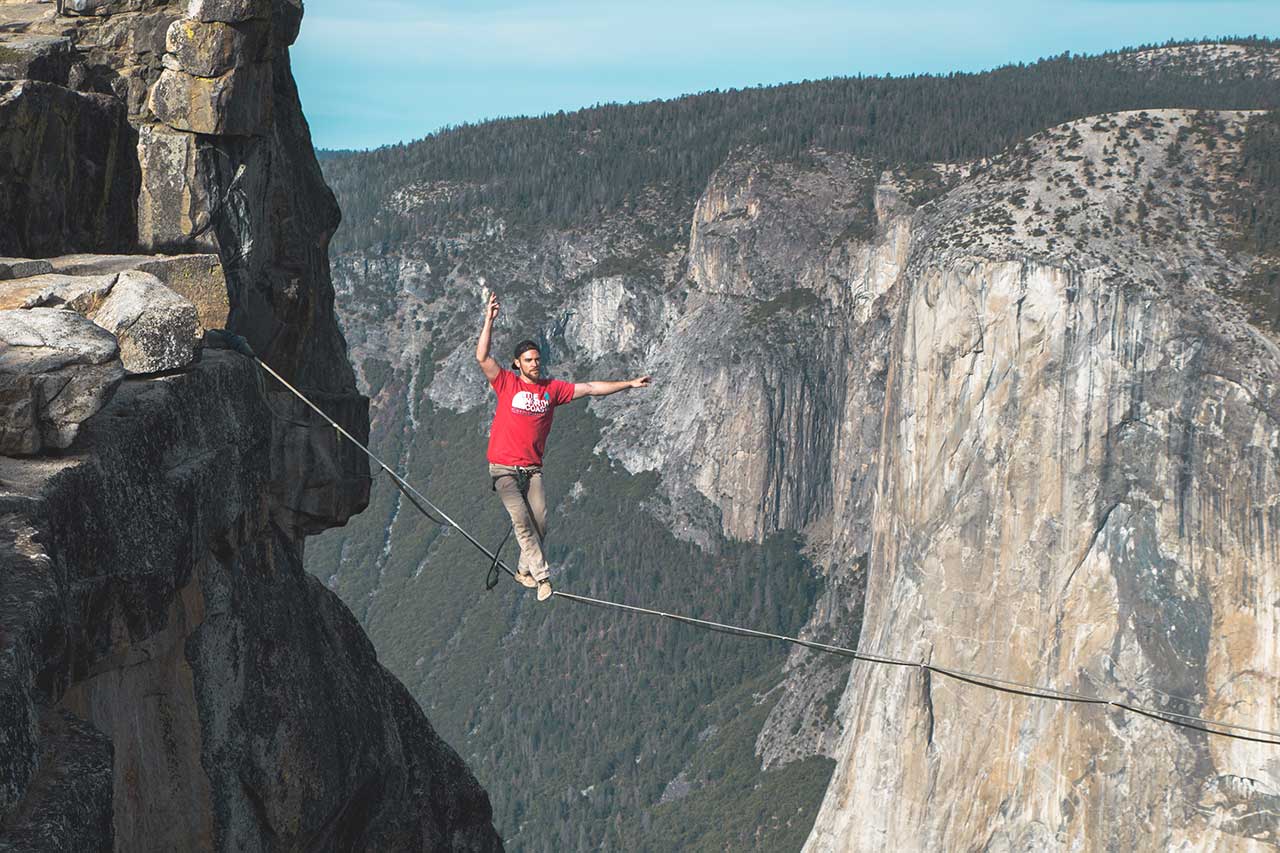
<point x="544" y="590"/>
<point x="526" y="579"/>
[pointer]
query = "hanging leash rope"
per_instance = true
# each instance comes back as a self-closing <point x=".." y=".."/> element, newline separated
<point x="491" y="577"/>
<point x="988" y="682"/>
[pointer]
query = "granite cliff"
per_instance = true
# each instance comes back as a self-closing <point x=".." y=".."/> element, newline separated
<point x="172" y="678"/>
<point x="1075" y="485"/>
<point x="1018" y="413"/>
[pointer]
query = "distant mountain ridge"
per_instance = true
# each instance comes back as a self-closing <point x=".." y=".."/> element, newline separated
<point x="565" y="168"/>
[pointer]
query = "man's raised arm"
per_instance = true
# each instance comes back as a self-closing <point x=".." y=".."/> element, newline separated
<point x="604" y="389"/>
<point x="487" y="362"/>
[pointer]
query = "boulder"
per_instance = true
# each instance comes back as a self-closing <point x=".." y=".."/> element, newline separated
<point x="157" y="329"/>
<point x="237" y="103"/>
<point x="209" y="49"/>
<point x="31" y="56"/>
<point x="57" y="369"/>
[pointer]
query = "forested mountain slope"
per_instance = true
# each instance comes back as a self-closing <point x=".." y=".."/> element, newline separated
<point x="769" y="256"/>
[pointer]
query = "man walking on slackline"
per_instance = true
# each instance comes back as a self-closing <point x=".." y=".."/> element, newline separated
<point x="526" y="403"/>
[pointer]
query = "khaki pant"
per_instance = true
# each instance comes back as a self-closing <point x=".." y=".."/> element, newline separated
<point x="528" y="513"/>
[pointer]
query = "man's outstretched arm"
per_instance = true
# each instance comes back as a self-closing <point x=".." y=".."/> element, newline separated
<point x="604" y="389"/>
<point x="487" y="362"/>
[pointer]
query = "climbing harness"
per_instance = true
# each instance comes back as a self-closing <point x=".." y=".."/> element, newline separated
<point x="989" y="682"/>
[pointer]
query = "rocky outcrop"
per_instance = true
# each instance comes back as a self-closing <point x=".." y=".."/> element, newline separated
<point x="156" y="328"/>
<point x="196" y="278"/>
<point x="172" y="678"/>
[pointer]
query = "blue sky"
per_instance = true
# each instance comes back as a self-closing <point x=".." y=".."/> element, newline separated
<point x="373" y="72"/>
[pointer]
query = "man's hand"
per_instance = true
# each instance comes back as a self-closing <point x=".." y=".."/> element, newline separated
<point x="604" y="389"/>
<point x="487" y="363"/>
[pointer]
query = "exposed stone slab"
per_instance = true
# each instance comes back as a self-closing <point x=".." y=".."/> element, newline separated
<point x="57" y="369"/>
<point x="55" y="338"/>
<point x="90" y="264"/>
<point x="81" y="294"/>
<point x="197" y="278"/>
<point x="157" y="329"/>
<point x="237" y="103"/>
<point x="22" y="267"/>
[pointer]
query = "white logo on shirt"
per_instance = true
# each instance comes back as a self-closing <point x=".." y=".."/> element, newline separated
<point x="530" y="403"/>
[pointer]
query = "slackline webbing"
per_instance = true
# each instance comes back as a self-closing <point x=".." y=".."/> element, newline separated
<point x="424" y="505"/>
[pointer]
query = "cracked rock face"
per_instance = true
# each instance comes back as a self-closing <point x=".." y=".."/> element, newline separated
<point x="214" y="48"/>
<point x="235" y="702"/>
<point x="235" y="103"/>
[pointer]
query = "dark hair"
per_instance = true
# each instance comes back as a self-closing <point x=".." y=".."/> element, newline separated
<point x="522" y="348"/>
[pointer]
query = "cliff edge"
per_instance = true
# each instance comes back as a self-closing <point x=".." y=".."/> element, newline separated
<point x="172" y="678"/>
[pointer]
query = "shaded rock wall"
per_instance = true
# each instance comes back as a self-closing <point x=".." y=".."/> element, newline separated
<point x="71" y="173"/>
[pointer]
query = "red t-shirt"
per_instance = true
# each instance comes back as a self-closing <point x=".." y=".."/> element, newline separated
<point x="523" y="419"/>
